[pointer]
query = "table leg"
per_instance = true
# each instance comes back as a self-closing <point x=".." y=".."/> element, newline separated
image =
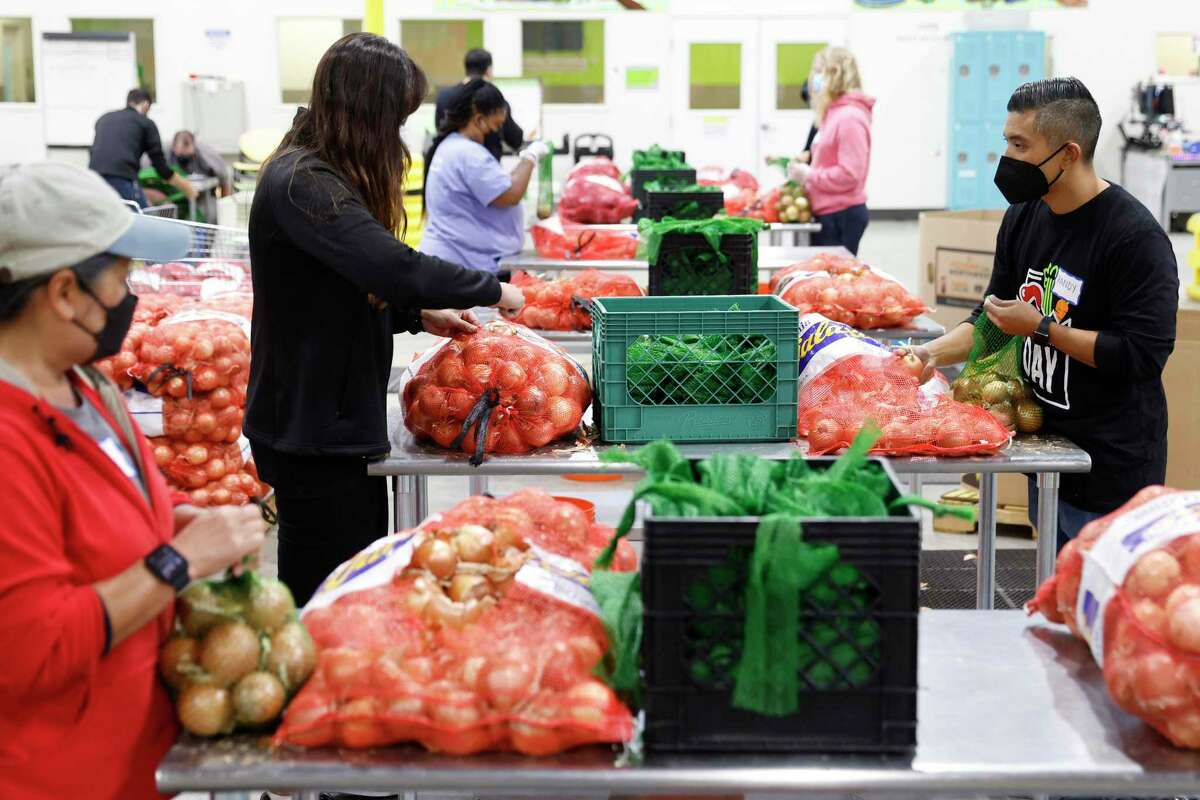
<point x="477" y="485"/>
<point x="985" y="564"/>
<point x="802" y="239"/>
<point x="1047" y="524"/>
<point x="412" y="500"/>
<point x="774" y="237"/>
<point x="915" y="483"/>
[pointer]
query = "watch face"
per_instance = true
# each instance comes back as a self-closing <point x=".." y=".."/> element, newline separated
<point x="169" y="565"/>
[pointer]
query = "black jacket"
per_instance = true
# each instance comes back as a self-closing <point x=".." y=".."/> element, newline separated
<point x="321" y="349"/>
<point x="511" y="134"/>
<point x="121" y="139"/>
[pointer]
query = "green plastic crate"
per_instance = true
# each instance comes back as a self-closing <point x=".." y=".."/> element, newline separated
<point x="739" y="401"/>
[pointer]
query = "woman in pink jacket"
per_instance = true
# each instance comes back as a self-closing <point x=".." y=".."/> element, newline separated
<point x="836" y="178"/>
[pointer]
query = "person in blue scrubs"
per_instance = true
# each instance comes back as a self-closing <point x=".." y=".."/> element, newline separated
<point x="473" y="213"/>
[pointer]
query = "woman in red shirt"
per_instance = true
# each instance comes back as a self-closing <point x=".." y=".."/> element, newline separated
<point x="92" y="548"/>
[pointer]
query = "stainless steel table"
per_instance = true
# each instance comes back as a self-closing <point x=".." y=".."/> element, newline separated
<point x="410" y="464"/>
<point x="800" y="233"/>
<point x="1006" y="706"/>
<point x="769" y="259"/>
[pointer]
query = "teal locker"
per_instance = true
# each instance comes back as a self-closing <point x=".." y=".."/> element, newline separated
<point x="967" y="87"/>
<point x="987" y="67"/>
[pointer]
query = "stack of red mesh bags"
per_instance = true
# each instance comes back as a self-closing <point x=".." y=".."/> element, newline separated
<point x="846" y="290"/>
<point x="594" y="194"/>
<point x="502" y="389"/>
<point x="474" y="632"/>
<point x="192" y="357"/>
<point x="848" y="380"/>
<point x="564" y="304"/>
<point x="552" y="239"/>
<point x="1129" y="586"/>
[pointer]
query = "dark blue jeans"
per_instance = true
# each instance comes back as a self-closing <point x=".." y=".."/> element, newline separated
<point x="843" y="228"/>
<point x="1070" y="519"/>
<point x="129" y="190"/>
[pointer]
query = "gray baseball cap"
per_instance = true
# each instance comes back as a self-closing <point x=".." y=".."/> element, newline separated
<point x="55" y="215"/>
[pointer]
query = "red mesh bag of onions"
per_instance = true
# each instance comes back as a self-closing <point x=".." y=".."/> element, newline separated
<point x="595" y="199"/>
<point x="552" y="239"/>
<point x="1129" y="585"/>
<point x="565" y="304"/>
<point x="195" y="350"/>
<point x="595" y="166"/>
<point x="848" y="379"/>
<point x="151" y="309"/>
<point x="193" y="466"/>
<point x="502" y="389"/>
<point x="847" y="290"/>
<point x="476" y="631"/>
<point x="214" y="416"/>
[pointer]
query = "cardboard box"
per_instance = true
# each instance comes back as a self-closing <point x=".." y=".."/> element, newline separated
<point x="957" y="252"/>
<point x="1182" y="381"/>
<point x="1012" y="489"/>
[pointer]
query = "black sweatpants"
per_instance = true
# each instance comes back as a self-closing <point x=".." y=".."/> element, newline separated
<point x="843" y="228"/>
<point x="329" y="509"/>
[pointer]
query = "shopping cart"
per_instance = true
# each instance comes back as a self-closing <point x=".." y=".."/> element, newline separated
<point x="223" y="252"/>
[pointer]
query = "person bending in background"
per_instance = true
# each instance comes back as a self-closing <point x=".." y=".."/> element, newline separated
<point x="472" y="206"/>
<point x="122" y="137"/>
<point x="478" y="64"/>
<point x="332" y="284"/>
<point x="198" y="158"/>
<point x="836" y="179"/>
<point x="1087" y="275"/>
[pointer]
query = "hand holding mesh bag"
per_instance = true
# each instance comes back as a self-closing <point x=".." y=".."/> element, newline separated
<point x="502" y="389"/>
<point x="993" y="379"/>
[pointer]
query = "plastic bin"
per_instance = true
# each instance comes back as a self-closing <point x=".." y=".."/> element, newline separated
<point x="638" y="179"/>
<point x="689" y="679"/>
<point x="761" y="409"/>
<point x="739" y="276"/>
<point x="663" y="204"/>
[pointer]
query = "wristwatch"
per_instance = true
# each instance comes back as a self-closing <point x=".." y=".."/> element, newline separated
<point x="1042" y="334"/>
<point x="169" y="566"/>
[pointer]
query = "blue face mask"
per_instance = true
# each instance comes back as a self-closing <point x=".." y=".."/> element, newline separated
<point x="816" y="82"/>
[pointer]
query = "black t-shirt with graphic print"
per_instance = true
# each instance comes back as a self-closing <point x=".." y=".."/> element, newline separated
<point x="1108" y="267"/>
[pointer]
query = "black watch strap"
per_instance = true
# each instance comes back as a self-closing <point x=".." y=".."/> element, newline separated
<point x="169" y="566"/>
<point x="1042" y="334"/>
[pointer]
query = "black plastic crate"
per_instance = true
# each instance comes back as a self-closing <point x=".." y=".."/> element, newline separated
<point x="869" y="709"/>
<point x="640" y="177"/>
<point x="740" y="276"/>
<point x="662" y="204"/>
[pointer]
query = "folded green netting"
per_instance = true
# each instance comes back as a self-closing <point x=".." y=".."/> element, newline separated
<point x="651" y="233"/>
<point x="772" y="651"/>
<point x="655" y="157"/>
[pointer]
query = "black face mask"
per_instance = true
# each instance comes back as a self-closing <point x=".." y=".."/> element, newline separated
<point x="1019" y="181"/>
<point x="186" y="162"/>
<point x="804" y="95"/>
<point x="117" y="321"/>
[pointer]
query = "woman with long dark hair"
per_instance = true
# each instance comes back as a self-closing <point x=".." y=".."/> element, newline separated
<point x="472" y="206"/>
<point x="332" y="284"/>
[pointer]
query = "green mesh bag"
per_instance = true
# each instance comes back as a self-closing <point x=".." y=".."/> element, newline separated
<point x="654" y="157"/>
<point x="993" y="378"/>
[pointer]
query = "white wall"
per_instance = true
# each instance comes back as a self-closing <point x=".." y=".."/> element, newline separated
<point x="904" y="58"/>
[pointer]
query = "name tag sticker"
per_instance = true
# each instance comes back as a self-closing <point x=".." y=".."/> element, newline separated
<point x="1068" y="287"/>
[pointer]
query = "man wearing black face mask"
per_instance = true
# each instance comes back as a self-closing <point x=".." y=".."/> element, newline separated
<point x="1087" y="275"/>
